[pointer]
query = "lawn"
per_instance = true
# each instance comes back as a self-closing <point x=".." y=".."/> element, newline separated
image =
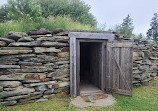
<point x="144" y="98"/>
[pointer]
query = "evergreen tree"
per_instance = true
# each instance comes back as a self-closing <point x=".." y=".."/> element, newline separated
<point x="153" y="31"/>
<point x="126" y="27"/>
<point x="128" y="23"/>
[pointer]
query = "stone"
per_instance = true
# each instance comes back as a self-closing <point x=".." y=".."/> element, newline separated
<point x="52" y="39"/>
<point x="57" y="30"/>
<point x="153" y="74"/>
<point x="8" y="41"/>
<point x="28" y="63"/>
<point x="9" y="52"/>
<point x="26" y="39"/>
<point x="41" y="100"/>
<point x="64" y="66"/>
<point x="136" y="55"/>
<point x="7" y="62"/>
<point x="65" y="79"/>
<point x="15" y="48"/>
<point x="1" y="88"/>
<point x="39" y="84"/>
<point x="10" y="84"/>
<point x="2" y="44"/>
<point x="62" y="62"/>
<point x="30" y="98"/>
<point x="34" y="67"/>
<point x="65" y="49"/>
<point x="42" y="31"/>
<point x="60" y="77"/>
<point x="8" y="58"/>
<point x="62" y="72"/>
<point x="22" y="96"/>
<point x="23" y="56"/>
<point x="145" y="83"/>
<point x="54" y="44"/>
<point x="44" y="49"/>
<point x="13" y="88"/>
<point x="62" y="89"/>
<point x="23" y="76"/>
<point x="25" y="44"/>
<point x="9" y="67"/>
<point x="48" y="92"/>
<point x="154" y="64"/>
<point x="17" y="92"/>
<point x="51" y="74"/>
<point x="65" y="33"/>
<point x="41" y="88"/>
<point x="29" y="70"/>
<point x="48" y="96"/>
<point x="144" y="67"/>
<point x="137" y="76"/>
<point x="145" y="76"/>
<point x="61" y="38"/>
<point x="61" y="84"/>
<point x="8" y="103"/>
<point x="31" y="81"/>
<point x="146" y="53"/>
<point x="25" y="102"/>
<point x="153" y="58"/>
<point x="16" y="35"/>
<point x="154" y="68"/>
<point x="63" y="54"/>
<point x="16" y="97"/>
<point x="61" y="94"/>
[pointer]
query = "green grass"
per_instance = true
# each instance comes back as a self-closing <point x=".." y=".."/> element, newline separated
<point x="51" y="23"/>
<point x="144" y="98"/>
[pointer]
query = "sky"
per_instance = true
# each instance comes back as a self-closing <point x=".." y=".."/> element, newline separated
<point x="112" y="12"/>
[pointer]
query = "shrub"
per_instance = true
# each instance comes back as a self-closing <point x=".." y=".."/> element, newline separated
<point x="51" y="23"/>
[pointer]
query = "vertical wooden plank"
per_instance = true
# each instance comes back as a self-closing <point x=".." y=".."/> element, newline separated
<point x="121" y="86"/>
<point x="73" y="90"/>
<point x="78" y="67"/>
<point x="117" y="72"/>
<point x="108" y="68"/>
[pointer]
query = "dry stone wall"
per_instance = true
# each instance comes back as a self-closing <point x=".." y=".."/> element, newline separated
<point x="145" y="62"/>
<point x="33" y="67"/>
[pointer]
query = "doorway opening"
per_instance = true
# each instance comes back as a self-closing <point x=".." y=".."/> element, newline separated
<point x="91" y="74"/>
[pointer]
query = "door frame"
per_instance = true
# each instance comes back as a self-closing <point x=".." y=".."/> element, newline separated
<point x="75" y="37"/>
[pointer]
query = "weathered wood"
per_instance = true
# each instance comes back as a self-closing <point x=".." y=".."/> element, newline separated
<point x="103" y="36"/>
<point x="119" y="67"/>
<point x="86" y="37"/>
<point x="73" y="90"/>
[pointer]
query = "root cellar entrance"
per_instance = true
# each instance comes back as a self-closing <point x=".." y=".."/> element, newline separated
<point x="90" y="68"/>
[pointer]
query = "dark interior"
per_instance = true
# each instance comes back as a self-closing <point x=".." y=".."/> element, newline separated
<point x="90" y="64"/>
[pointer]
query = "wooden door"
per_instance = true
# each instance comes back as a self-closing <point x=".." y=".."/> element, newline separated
<point x="119" y="62"/>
